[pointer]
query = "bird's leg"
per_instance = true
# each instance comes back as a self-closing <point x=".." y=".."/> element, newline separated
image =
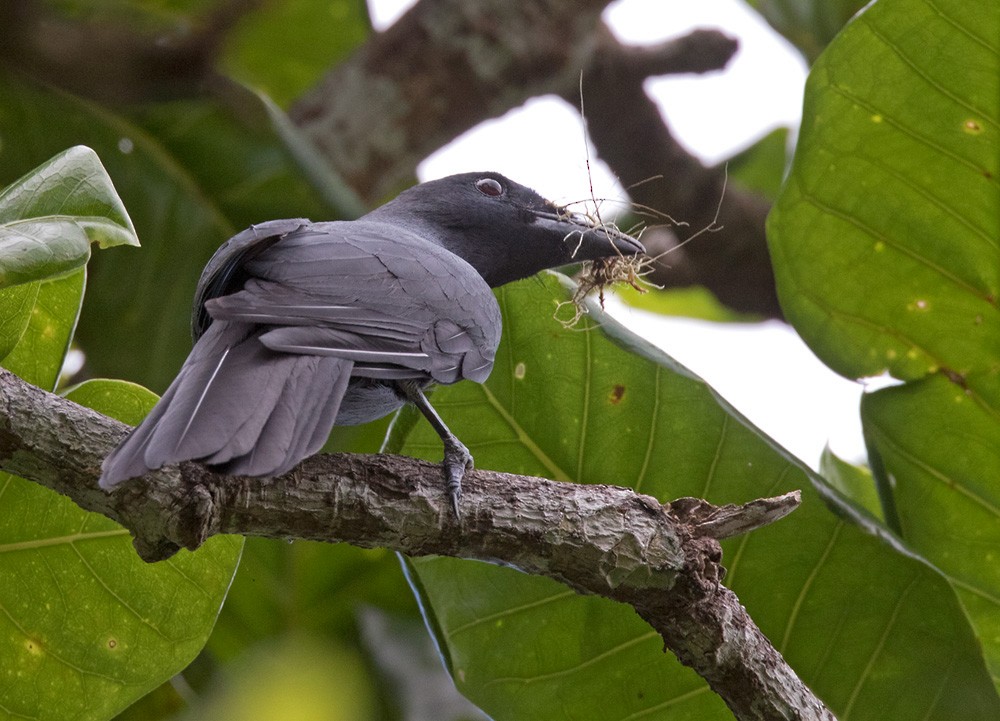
<point x="457" y="459"/>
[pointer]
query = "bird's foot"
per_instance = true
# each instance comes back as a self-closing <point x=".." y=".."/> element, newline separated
<point x="457" y="460"/>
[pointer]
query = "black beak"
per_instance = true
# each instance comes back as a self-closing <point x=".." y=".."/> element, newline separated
<point x="584" y="240"/>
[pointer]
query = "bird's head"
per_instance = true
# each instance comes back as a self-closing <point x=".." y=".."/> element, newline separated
<point x="503" y="229"/>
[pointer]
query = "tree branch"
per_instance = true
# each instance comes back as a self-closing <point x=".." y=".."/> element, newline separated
<point x="442" y="68"/>
<point x="661" y="559"/>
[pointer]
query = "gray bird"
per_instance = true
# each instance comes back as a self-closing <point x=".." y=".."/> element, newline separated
<point x="302" y="326"/>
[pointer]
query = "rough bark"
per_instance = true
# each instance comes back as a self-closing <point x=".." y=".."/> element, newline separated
<point x="661" y="559"/>
<point x="442" y="68"/>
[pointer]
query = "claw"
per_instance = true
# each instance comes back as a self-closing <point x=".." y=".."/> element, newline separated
<point x="457" y="460"/>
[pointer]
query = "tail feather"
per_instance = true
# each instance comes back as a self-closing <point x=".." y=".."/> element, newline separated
<point x="300" y="421"/>
<point x="239" y="405"/>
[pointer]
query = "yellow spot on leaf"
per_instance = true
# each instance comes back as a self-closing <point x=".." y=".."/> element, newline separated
<point x="519" y="371"/>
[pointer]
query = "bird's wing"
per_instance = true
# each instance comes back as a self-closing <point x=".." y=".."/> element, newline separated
<point x="390" y="302"/>
<point x="225" y="273"/>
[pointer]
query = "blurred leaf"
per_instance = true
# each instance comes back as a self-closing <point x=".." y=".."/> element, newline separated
<point x="885" y="244"/>
<point x="309" y="37"/>
<point x="761" y="167"/>
<point x="142" y="16"/>
<point x="855" y="483"/>
<point x="190" y="174"/>
<point x="160" y="704"/>
<point x="296" y="678"/>
<point x="231" y="152"/>
<point x="312" y="588"/>
<point x="50" y="216"/>
<point x="89" y="626"/>
<point x="319" y="590"/>
<point x="334" y="190"/>
<point x="882" y="638"/>
<point x="693" y="302"/>
<point x="808" y="24"/>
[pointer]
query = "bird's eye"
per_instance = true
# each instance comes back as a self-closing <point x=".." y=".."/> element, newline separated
<point x="490" y="187"/>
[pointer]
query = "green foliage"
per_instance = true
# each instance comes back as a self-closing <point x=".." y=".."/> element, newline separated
<point x="885" y="244"/>
<point x="87" y="627"/>
<point x="599" y="405"/>
<point x="309" y="588"/>
<point x="693" y="302"/>
<point x="308" y="37"/>
<point x="881" y="590"/>
<point x="49" y="218"/>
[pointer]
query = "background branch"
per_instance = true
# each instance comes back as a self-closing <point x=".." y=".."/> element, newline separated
<point x="440" y="70"/>
<point x="661" y="559"/>
<point x="631" y="136"/>
<point x="448" y="65"/>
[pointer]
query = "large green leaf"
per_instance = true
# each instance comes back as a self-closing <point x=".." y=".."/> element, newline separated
<point x="876" y="633"/>
<point x="885" y="240"/>
<point x="69" y="202"/>
<point x="886" y="243"/>
<point x="190" y="173"/>
<point x="88" y="627"/>
<point x="49" y="218"/>
<point x="941" y="446"/>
